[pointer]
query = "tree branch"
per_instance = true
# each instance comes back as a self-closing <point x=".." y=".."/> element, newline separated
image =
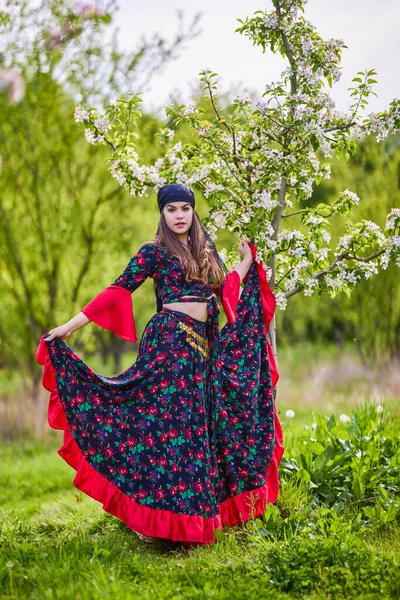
<point x="340" y="127"/>
<point x="333" y="265"/>
<point x="289" y="54"/>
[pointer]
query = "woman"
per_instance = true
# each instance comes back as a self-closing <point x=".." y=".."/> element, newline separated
<point x="187" y="439"/>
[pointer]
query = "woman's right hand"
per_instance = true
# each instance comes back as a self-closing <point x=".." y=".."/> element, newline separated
<point x="61" y="332"/>
<point x="245" y="250"/>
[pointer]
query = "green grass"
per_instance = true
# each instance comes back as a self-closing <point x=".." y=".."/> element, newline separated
<point x="58" y="543"/>
<point x="334" y="532"/>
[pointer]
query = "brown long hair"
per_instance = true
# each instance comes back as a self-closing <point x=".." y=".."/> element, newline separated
<point x="200" y="262"/>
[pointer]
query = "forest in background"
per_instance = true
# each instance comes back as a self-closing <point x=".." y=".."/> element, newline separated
<point x="67" y="229"/>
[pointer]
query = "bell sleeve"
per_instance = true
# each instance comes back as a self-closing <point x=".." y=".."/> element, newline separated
<point x="228" y="292"/>
<point x="112" y="308"/>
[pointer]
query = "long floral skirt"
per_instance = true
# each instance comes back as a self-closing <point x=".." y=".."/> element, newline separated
<point x="180" y="443"/>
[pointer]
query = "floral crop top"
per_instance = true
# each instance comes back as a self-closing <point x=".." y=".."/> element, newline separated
<point x="112" y="308"/>
<point x="157" y="262"/>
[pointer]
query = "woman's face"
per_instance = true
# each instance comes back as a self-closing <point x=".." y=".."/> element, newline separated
<point x="179" y="217"/>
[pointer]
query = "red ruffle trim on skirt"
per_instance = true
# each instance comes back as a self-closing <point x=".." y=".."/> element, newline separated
<point x="149" y="521"/>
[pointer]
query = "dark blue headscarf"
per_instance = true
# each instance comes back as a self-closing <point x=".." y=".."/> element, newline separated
<point x="174" y="192"/>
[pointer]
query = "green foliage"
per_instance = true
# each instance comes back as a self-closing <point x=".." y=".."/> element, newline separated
<point x="355" y="462"/>
<point x="57" y="543"/>
<point x="66" y="229"/>
<point x="370" y="318"/>
<point x="331" y="567"/>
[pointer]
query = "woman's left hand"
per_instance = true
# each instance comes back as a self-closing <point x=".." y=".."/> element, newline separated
<point x="245" y="250"/>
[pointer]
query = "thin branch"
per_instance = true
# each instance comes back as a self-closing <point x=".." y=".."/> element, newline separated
<point x="366" y="258"/>
<point x="340" y="127"/>
<point x="289" y="53"/>
<point x="293" y="90"/>
<point x="296" y="212"/>
<point x="333" y="265"/>
<point x="221" y="154"/>
<point x="280" y="207"/>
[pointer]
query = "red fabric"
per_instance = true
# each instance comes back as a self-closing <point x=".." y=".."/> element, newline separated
<point x="268" y="306"/>
<point x="145" y="520"/>
<point x="112" y="309"/>
<point x="230" y="295"/>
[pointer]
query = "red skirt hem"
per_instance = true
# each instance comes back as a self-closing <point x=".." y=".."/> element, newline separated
<point x="142" y="519"/>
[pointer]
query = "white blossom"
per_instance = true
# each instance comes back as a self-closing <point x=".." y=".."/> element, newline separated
<point x="190" y="110"/>
<point x="117" y="173"/>
<point x="219" y="219"/>
<point x="263" y="200"/>
<point x="393" y="220"/>
<point x="314" y="220"/>
<point x="311" y="285"/>
<point x="92" y="138"/>
<point x="242" y="99"/>
<point x="271" y="21"/>
<point x="81" y="114"/>
<point x="281" y="300"/>
<point x="326" y="236"/>
<point x="103" y="125"/>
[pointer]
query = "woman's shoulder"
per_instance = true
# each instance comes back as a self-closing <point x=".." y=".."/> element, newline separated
<point x="154" y="247"/>
<point x="150" y="247"/>
<point x="152" y="251"/>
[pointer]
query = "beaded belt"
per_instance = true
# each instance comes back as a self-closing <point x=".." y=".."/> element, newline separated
<point x="194" y="339"/>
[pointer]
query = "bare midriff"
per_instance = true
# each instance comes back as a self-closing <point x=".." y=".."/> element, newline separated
<point x="197" y="310"/>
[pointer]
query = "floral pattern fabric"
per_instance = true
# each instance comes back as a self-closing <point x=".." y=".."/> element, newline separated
<point x="156" y="262"/>
<point x="178" y="432"/>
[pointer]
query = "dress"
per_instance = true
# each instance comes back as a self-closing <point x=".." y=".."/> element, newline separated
<point x="187" y="439"/>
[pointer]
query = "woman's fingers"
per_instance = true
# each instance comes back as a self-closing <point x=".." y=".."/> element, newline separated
<point x="61" y="332"/>
<point x="51" y="335"/>
<point x="244" y="248"/>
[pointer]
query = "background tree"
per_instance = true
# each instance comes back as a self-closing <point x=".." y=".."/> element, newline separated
<point x="259" y="165"/>
<point x="370" y="318"/>
<point x="61" y="216"/>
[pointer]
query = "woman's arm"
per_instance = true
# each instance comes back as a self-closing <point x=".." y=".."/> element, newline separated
<point x="112" y="307"/>
<point x="247" y="258"/>
<point x="64" y="331"/>
<point x="229" y="291"/>
<point x="243" y="267"/>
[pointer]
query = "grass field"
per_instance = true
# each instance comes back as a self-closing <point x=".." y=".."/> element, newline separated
<point x="334" y="533"/>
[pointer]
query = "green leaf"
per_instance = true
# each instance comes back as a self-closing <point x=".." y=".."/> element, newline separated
<point x="324" y="210"/>
<point x="303" y="475"/>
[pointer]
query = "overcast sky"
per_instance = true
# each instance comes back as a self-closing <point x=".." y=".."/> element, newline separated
<point x="370" y="29"/>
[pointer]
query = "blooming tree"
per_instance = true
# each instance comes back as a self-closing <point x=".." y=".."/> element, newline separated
<point x="258" y="165"/>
